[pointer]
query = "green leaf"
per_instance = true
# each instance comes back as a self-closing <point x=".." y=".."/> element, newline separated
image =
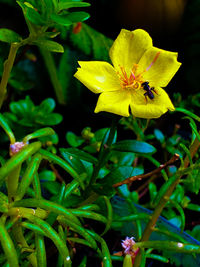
<point x="53" y="235"/>
<point x="73" y="139"/>
<point x="61" y="19"/>
<point x="75" y="162"/>
<point x="79" y="229"/>
<point x="47" y="175"/>
<point x="9" y="36"/>
<point x="39" y="133"/>
<point x="52" y="186"/>
<point x="50" y="6"/>
<point x="152" y="191"/>
<point x="49" y="119"/>
<point x="134" y="146"/>
<point x="50" y="34"/>
<point x="65" y="66"/>
<point x="70" y="4"/>
<point x="32" y="15"/>
<point x="29" y="115"/>
<point x="8" y="246"/>
<point x="3" y="203"/>
<point x="62" y="163"/>
<point x="75" y="152"/>
<point x="189" y="113"/>
<point x="159" y="135"/>
<point x="127" y="261"/>
<point x="78" y="16"/>
<point x="18" y="159"/>
<point x="122" y="158"/>
<point x="70" y="18"/>
<point x="194" y="207"/>
<point x="49" y="45"/>
<point x="88" y="40"/>
<point x="47" y="105"/>
<point x="99" y="135"/>
<point x="7" y="129"/>
<point x="22" y="107"/>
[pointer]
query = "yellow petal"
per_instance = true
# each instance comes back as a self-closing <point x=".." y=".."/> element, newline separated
<point x="160" y="66"/>
<point x="98" y="76"/>
<point x="143" y="107"/>
<point x="129" y="47"/>
<point x="116" y="102"/>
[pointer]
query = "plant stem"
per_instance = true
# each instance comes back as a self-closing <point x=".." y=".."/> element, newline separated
<point x="150" y="226"/>
<point x="12" y="182"/>
<point x="21" y="241"/>
<point x="50" y="65"/>
<point x="7" y="69"/>
<point x="104" y="152"/>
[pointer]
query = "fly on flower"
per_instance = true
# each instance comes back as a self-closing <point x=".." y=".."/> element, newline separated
<point x="136" y="79"/>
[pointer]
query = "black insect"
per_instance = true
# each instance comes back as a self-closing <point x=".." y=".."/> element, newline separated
<point x="148" y="90"/>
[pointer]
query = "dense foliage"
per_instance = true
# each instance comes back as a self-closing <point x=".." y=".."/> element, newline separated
<point x="75" y="184"/>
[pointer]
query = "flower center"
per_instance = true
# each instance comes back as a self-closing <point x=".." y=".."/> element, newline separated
<point x="134" y="80"/>
<point x="130" y="82"/>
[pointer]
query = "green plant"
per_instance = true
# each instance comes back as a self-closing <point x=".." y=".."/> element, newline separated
<point x="124" y="194"/>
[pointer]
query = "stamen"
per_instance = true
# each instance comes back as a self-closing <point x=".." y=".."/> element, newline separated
<point x="132" y="75"/>
<point x="154" y="60"/>
<point x="132" y="81"/>
<point x="124" y="72"/>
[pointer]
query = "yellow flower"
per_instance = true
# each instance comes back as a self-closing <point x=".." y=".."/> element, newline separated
<point x="121" y="86"/>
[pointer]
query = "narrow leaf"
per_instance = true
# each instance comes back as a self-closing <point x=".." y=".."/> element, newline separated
<point x="134" y="146"/>
<point x="49" y="45"/>
<point x="9" y="36"/>
<point x="8" y="246"/>
<point x="18" y="158"/>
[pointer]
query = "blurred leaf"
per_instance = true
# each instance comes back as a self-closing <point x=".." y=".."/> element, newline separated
<point x="92" y="42"/>
<point x="75" y="162"/>
<point x="134" y="146"/>
<point x="74" y="140"/>
<point x="192" y="182"/>
<point x="75" y="152"/>
<point x="195" y="232"/>
<point x="70" y="18"/>
<point x="64" y="68"/>
<point x="122" y="158"/>
<point x="194" y="207"/>
<point x="47" y="176"/>
<point x="159" y="135"/>
<point x="70" y="4"/>
<point x="9" y="36"/>
<point x="25" y="113"/>
<point x="49" y="45"/>
<point x="47" y="105"/>
<point x="152" y="191"/>
<point x="31" y="14"/>
<point x="52" y="186"/>
<point x="99" y="134"/>
<point x="3" y="203"/>
<point x="118" y="174"/>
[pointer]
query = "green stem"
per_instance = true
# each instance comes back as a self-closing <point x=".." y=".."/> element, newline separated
<point x="50" y="64"/>
<point x="8" y="246"/>
<point x="7" y="129"/>
<point x="12" y="182"/>
<point x="176" y="247"/>
<point x="7" y="69"/>
<point x="19" y="237"/>
<point x="104" y="152"/>
<point x="150" y="226"/>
